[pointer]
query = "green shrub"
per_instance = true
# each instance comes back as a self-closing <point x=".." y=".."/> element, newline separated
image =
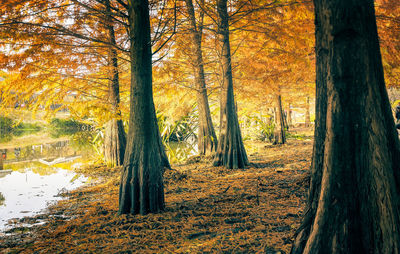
<point x="63" y="127"/>
<point x="26" y="129"/>
<point x="257" y="128"/>
<point x="5" y="125"/>
<point x="176" y="131"/>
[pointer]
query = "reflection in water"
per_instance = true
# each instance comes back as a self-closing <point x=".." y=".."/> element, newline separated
<point x="26" y="194"/>
<point x="2" y="198"/>
<point x="33" y="176"/>
<point x="49" y="152"/>
<point x="5" y="137"/>
<point x="29" y="153"/>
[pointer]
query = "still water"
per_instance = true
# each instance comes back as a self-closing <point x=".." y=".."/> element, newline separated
<point x="28" y="193"/>
<point x="34" y="176"/>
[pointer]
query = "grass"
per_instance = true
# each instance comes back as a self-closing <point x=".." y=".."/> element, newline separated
<point x="208" y="210"/>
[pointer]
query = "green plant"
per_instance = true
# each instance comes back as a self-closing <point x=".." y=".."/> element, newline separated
<point x="5" y="125"/>
<point x="179" y="130"/>
<point x="179" y="152"/>
<point x="296" y="136"/>
<point x="25" y="129"/>
<point x="63" y="127"/>
<point x="259" y="128"/>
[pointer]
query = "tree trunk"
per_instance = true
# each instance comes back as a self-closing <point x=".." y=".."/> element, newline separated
<point x="289" y="116"/>
<point x="307" y="117"/>
<point x="286" y="124"/>
<point x="207" y="140"/>
<point x="353" y="204"/>
<point x="230" y="152"/>
<point x="141" y="188"/>
<point x="279" y="133"/>
<point x="114" y="143"/>
<point x="114" y="136"/>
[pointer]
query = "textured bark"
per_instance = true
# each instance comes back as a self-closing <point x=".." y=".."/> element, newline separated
<point x="230" y="152"/>
<point x="307" y="119"/>
<point x="207" y="140"/>
<point x="114" y="143"/>
<point x="353" y="204"/>
<point x="279" y="132"/>
<point x="141" y="188"/>
<point x="114" y="136"/>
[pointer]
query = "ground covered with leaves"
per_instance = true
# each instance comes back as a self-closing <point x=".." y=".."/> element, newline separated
<point x="208" y="210"/>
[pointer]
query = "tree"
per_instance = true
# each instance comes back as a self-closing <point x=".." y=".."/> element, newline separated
<point x="307" y="119"/>
<point x="275" y="53"/>
<point x="388" y="21"/>
<point x="114" y="138"/>
<point x="353" y="204"/>
<point x="59" y="51"/>
<point x="279" y="133"/>
<point x="230" y="151"/>
<point x="207" y="140"/>
<point x="141" y="188"/>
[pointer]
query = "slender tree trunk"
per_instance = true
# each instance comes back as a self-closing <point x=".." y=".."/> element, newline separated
<point x="285" y="120"/>
<point x="114" y="138"/>
<point x="307" y="116"/>
<point x="289" y="116"/>
<point x="230" y="152"/>
<point x="279" y="133"/>
<point x="141" y="188"/>
<point x="207" y="140"/>
<point x="353" y="204"/>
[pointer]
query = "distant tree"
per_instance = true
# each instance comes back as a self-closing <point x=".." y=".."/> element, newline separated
<point x="207" y="140"/>
<point x="60" y="56"/>
<point x="141" y="188"/>
<point x="353" y="204"/>
<point x="307" y="119"/>
<point x="388" y="21"/>
<point x="115" y="137"/>
<point x="279" y="132"/>
<point x="231" y="152"/>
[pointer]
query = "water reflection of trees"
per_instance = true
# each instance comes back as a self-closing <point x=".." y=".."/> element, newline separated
<point x="2" y="199"/>
<point x="57" y="149"/>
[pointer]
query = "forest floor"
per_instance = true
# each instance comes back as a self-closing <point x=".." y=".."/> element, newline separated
<point x="208" y="210"/>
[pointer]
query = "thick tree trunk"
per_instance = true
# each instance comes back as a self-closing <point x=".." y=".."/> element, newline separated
<point x="307" y="116"/>
<point x="141" y="188"/>
<point x="207" y="140"/>
<point x="230" y="152"/>
<point x="114" y="143"/>
<point x="114" y="135"/>
<point x="279" y="132"/>
<point x="353" y="204"/>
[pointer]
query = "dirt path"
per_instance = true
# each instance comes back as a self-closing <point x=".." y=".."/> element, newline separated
<point x="208" y="209"/>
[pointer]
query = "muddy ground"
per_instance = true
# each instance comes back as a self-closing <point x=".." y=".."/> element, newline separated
<point x="208" y="210"/>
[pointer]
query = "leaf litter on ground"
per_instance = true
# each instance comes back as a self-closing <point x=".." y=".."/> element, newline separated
<point x="208" y="210"/>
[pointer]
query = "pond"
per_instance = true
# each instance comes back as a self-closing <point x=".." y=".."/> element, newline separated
<point x="34" y="177"/>
<point x="29" y="193"/>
